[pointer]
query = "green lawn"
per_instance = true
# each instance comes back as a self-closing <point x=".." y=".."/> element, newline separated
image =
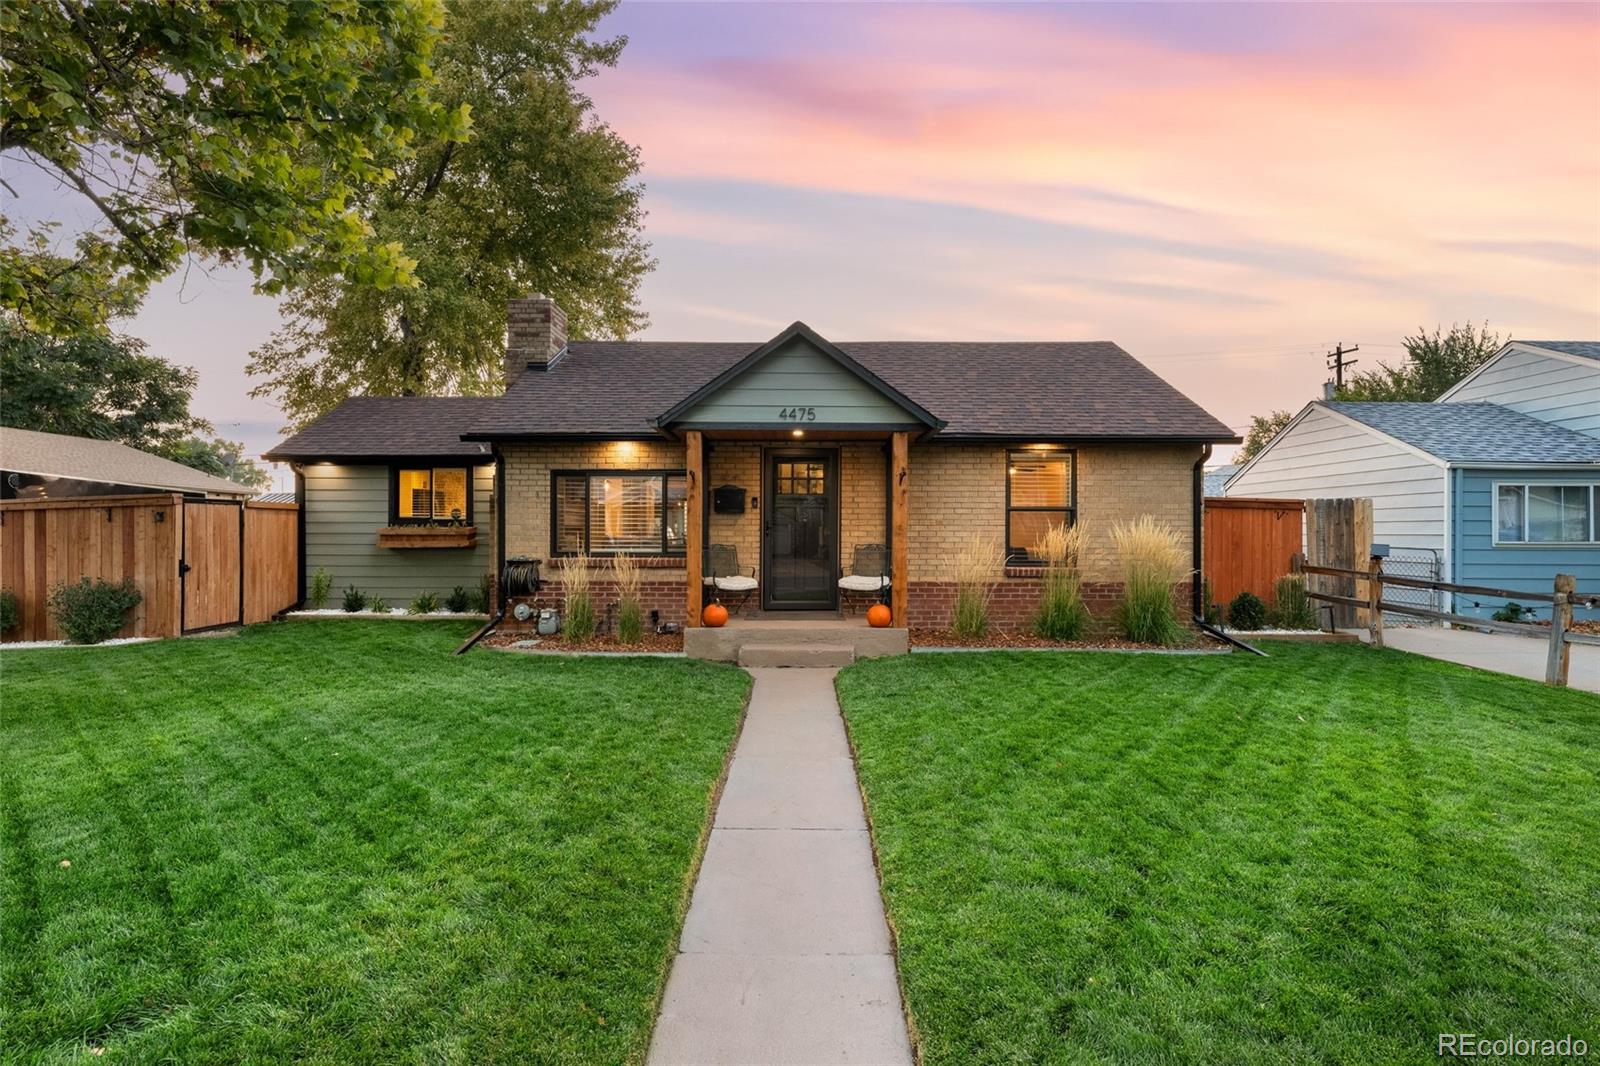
<point x="335" y="842"/>
<point x="1331" y="855"/>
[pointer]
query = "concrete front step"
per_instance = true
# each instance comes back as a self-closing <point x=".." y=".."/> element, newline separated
<point x="796" y="655"/>
<point x="704" y="642"/>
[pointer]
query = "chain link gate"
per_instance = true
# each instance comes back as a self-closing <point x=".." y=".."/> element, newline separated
<point x="1423" y="563"/>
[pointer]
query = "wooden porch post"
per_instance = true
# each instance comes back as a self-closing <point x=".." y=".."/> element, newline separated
<point x="694" y="541"/>
<point x="900" y="526"/>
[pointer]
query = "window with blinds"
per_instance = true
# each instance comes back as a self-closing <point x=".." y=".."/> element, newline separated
<point x="432" y="494"/>
<point x="619" y="512"/>
<point x="1039" y="494"/>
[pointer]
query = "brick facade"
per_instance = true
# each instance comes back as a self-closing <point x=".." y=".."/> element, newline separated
<point x="956" y="491"/>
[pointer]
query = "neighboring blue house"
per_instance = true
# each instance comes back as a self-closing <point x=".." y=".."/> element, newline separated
<point x="1500" y="477"/>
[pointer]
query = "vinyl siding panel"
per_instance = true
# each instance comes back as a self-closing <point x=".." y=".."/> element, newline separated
<point x="1324" y="456"/>
<point x="1551" y="390"/>
<point x="797" y="375"/>
<point x="345" y="506"/>
<point x="1479" y="561"/>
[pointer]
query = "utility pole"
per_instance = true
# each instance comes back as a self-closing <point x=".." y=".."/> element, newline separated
<point x="1337" y="362"/>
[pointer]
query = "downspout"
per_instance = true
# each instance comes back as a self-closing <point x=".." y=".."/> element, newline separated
<point x="1198" y="585"/>
<point x="499" y="552"/>
<point x="300" y="531"/>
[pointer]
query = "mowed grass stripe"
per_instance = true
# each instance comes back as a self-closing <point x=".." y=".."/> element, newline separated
<point x="372" y="850"/>
<point x="1330" y="855"/>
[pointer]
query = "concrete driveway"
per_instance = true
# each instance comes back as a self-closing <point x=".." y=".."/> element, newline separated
<point x="1500" y="652"/>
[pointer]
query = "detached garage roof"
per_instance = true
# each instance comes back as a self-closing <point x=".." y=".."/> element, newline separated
<point x="56" y="455"/>
<point x="1473" y="432"/>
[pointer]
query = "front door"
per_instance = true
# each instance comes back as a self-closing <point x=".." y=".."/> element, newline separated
<point x="800" y="548"/>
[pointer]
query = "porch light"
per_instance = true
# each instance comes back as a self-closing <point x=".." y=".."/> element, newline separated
<point x="798" y="432"/>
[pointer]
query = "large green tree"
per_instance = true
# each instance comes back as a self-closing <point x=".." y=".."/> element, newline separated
<point x="250" y="130"/>
<point x="107" y="387"/>
<point x="542" y="197"/>
<point x="1434" y="362"/>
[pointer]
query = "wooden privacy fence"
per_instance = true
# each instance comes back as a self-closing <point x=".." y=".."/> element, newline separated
<point x="197" y="563"/>
<point x="1372" y="606"/>
<point x="1249" y="544"/>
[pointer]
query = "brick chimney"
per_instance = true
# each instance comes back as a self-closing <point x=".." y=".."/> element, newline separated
<point x="536" y="333"/>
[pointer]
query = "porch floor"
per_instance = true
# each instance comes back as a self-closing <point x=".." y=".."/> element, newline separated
<point x="794" y="629"/>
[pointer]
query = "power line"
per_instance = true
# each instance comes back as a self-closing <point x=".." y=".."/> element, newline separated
<point x="1337" y="362"/>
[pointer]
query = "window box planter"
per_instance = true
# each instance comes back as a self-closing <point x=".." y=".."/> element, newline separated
<point x="411" y="537"/>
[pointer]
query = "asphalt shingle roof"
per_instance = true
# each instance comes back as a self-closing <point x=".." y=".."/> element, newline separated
<point x="53" y="455"/>
<point x="1082" y="390"/>
<point x="377" y="427"/>
<point x="1587" y="349"/>
<point x="1474" y="432"/>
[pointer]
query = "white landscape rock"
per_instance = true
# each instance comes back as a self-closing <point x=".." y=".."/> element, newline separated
<point x="24" y="645"/>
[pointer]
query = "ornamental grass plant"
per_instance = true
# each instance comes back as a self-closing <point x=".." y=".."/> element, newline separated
<point x="576" y="575"/>
<point x="630" y="612"/>
<point x="1153" y="561"/>
<point x="1062" y="613"/>
<point x="978" y="566"/>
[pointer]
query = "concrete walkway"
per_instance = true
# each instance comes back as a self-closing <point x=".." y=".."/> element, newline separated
<point x="785" y="952"/>
<point x="1503" y="653"/>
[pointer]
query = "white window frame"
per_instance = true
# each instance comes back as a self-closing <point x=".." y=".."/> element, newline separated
<point x="1494" y="519"/>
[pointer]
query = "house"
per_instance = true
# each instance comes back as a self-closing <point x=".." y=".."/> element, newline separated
<point x="1498" y="476"/>
<point x="789" y="454"/>
<point x="1216" y="478"/>
<point x="37" y="466"/>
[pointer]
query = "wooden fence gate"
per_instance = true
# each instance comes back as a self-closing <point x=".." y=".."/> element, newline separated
<point x="196" y="563"/>
<point x="1339" y="535"/>
<point x="1249" y="544"/>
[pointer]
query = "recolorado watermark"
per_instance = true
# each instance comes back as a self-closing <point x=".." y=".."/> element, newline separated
<point x="1473" y="1046"/>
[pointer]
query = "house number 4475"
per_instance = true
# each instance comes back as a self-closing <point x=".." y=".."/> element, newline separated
<point x="797" y="414"/>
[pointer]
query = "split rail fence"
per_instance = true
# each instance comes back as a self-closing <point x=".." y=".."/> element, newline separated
<point x="1369" y="604"/>
<point x="198" y="564"/>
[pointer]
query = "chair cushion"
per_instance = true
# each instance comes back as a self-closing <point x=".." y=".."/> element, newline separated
<point x="863" y="583"/>
<point x="733" y="584"/>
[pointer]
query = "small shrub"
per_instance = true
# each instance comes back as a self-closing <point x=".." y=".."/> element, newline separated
<point x="376" y="604"/>
<point x="1153" y="561"/>
<point x="480" y="601"/>
<point x="458" y="601"/>
<point x="978" y="565"/>
<point x="426" y="603"/>
<point x="321" y="586"/>
<point x="1513" y="612"/>
<point x="1213" y="613"/>
<point x="1247" y="611"/>
<point x="1295" y="609"/>
<point x="576" y="577"/>
<point x="630" y="612"/>
<point x="1062" y="613"/>
<point x="92" y="609"/>
<point x="354" y="599"/>
<point x="10" y="616"/>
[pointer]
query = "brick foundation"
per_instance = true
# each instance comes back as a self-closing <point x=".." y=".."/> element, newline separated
<point x="1016" y="599"/>
<point x="660" y="591"/>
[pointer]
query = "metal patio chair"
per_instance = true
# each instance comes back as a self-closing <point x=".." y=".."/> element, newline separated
<point x="727" y="578"/>
<point x="868" y="579"/>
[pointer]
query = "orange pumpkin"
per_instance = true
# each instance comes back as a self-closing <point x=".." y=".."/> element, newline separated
<point x="715" y="615"/>
<point x="878" y="616"/>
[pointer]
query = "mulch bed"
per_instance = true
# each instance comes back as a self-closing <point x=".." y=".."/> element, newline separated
<point x="944" y="638"/>
<point x="650" y="642"/>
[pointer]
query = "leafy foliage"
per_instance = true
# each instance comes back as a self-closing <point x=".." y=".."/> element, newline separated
<point x="1434" y="362"/>
<point x="321" y="585"/>
<point x="425" y="603"/>
<point x="248" y="131"/>
<point x="1293" y="607"/>
<point x="10" y="615"/>
<point x="1262" y="429"/>
<point x="1513" y="612"/>
<point x="542" y="198"/>
<point x="458" y="601"/>
<point x="377" y="604"/>
<point x="354" y="600"/>
<point x="105" y="386"/>
<point x="92" y="609"/>
<point x="1247" y="611"/>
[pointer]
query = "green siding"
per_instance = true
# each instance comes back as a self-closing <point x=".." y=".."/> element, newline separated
<point x="797" y="375"/>
<point x="345" y="506"/>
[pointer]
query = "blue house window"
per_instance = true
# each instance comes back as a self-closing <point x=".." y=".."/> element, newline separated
<point x="1544" y="514"/>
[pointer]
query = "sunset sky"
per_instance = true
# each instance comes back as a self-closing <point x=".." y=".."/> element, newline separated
<point x="1225" y="191"/>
